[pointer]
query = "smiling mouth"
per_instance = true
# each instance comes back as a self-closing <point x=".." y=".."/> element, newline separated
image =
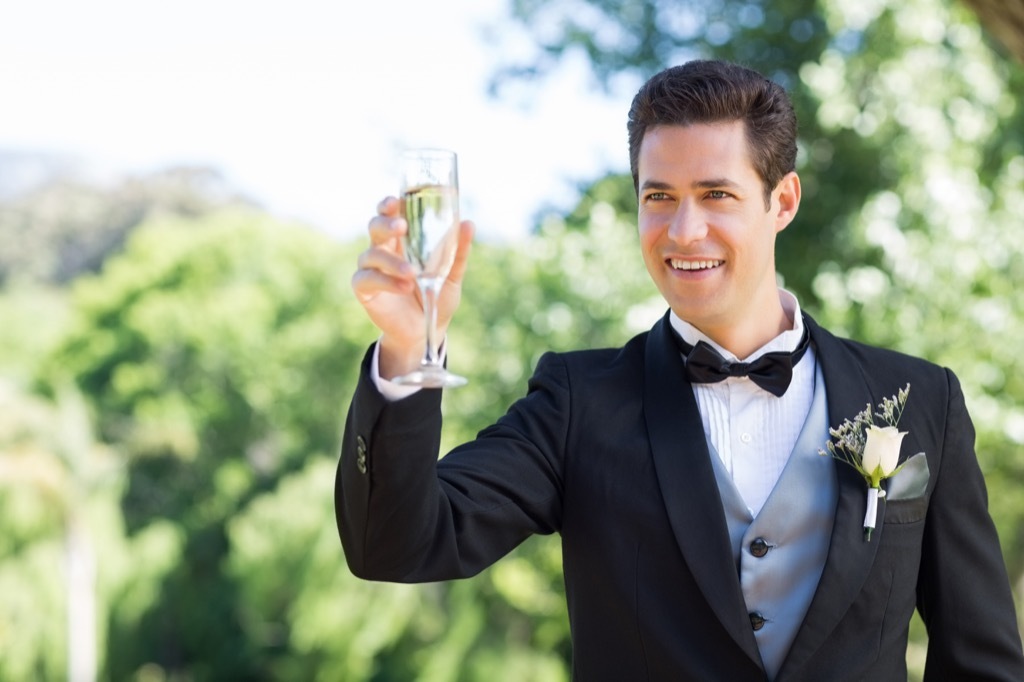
<point x="691" y="265"/>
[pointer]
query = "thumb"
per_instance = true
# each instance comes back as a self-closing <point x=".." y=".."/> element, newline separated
<point x="462" y="249"/>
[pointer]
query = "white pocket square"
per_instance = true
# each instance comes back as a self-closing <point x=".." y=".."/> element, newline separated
<point x="910" y="481"/>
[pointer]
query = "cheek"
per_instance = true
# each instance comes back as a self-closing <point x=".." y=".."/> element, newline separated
<point x="648" y="230"/>
<point x="749" y="235"/>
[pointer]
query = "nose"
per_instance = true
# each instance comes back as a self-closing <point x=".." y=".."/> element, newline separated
<point x="688" y="224"/>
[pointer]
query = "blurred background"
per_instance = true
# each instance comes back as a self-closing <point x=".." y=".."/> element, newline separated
<point x="183" y="192"/>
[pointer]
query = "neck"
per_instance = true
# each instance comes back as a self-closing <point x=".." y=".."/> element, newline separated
<point x="743" y="343"/>
<point x="742" y="338"/>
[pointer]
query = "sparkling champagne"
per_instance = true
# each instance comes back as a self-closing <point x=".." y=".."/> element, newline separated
<point x="430" y="206"/>
<point x="432" y="212"/>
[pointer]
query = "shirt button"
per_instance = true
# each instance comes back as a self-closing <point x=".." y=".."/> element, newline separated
<point x="757" y="621"/>
<point x="759" y="547"/>
<point x="746" y="438"/>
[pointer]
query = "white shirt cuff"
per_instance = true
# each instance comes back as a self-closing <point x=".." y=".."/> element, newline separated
<point x="389" y="389"/>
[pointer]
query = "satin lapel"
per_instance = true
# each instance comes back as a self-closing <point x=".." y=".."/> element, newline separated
<point x="850" y="557"/>
<point x="688" y="486"/>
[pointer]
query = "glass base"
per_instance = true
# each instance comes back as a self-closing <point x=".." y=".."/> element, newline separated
<point x="428" y="376"/>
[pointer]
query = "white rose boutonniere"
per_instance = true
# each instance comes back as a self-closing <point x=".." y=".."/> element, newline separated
<point x="874" y="451"/>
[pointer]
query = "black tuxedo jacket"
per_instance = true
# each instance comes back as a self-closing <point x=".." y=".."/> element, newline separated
<point x="607" y="449"/>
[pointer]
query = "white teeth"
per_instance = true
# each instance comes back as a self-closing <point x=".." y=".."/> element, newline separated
<point x="694" y="264"/>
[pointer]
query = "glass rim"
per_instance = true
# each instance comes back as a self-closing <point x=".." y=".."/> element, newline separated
<point x="435" y="152"/>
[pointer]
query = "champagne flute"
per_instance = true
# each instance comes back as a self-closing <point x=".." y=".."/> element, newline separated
<point x="430" y="206"/>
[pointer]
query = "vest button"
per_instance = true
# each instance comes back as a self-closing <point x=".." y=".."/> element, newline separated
<point x="759" y="547"/>
<point x="756" y="621"/>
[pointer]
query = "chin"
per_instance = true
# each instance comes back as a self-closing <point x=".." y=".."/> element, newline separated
<point x="694" y="310"/>
<point x="697" y="319"/>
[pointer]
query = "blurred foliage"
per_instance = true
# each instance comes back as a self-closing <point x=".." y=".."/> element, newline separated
<point x="62" y="226"/>
<point x="211" y="351"/>
<point x="33" y="318"/>
<point x="861" y="75"/>
<point x="56" y="496"/>
<point x="175" y="367"/>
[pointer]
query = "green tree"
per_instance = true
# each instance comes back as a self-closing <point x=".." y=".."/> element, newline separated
<point x="215" y="354"/>
<point x="56" y="501"/>
<point x="65" y="226"/>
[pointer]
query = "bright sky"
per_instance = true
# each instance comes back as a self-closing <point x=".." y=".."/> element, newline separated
<point x="303" y="104"/>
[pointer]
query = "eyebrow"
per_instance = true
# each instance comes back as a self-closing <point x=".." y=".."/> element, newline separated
<point x="710" y="183"/>
<point x="655" y="184"/>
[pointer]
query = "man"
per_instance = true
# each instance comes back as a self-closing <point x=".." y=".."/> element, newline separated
<point x="704" y="536"/>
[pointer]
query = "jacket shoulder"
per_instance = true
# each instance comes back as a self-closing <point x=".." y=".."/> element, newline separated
<point x="876" y="360"/>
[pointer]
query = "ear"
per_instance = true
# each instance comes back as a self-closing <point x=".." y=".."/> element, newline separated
<point x="786" y="200"/>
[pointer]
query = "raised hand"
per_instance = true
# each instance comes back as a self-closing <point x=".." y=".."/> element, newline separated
<point x="385" y="285"/>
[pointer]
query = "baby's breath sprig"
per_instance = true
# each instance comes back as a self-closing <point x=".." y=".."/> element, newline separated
<point x="850" y="442"/>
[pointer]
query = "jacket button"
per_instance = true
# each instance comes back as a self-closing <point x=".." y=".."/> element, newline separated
<point x="361" y="454"/>
<point x="759" y="547"/>
<point x="756" y="621"/>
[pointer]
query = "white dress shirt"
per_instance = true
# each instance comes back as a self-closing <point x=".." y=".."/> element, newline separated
<point x="754" y="431"/>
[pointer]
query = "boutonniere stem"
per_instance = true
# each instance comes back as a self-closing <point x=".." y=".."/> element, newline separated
<point x="872" y="450"/>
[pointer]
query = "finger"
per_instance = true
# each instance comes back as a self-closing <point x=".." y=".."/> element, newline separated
<point x="368" y="283"/>
<point x="388" y="224"/>
<point x="385" y="261"/>
<point x="389" y="206"/>
<point x="465" y="244"/>
<point x="387" y="230"/>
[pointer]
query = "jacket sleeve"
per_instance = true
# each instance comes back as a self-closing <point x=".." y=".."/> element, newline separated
<point x="964" y="593"/>
<point x="405" y="516"/>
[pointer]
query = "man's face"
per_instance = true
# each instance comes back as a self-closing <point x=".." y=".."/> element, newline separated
<point x="707" y="240"/>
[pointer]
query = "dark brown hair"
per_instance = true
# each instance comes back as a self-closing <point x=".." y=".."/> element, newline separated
<point x="705" y="91"/>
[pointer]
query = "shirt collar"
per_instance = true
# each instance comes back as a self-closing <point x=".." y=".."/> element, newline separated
<point x="786" y="341"/>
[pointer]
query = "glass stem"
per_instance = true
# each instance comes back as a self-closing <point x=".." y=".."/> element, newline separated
<point x="430" y="288"/>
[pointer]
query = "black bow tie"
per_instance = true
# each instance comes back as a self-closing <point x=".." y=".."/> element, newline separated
<point x="772" y="371"/>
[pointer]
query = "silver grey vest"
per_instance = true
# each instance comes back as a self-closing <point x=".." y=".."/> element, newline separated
<point x="781" y="553"/>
